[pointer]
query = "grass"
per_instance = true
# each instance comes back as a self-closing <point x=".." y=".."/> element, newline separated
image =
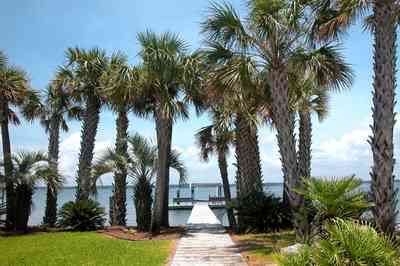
<point x="47" y="249"/>
<point x="259" y="248"/>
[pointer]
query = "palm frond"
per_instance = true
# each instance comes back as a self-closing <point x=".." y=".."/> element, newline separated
<point x="177" y="164"/>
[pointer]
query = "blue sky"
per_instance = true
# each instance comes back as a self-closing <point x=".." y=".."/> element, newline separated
<point x="35" y="34"/>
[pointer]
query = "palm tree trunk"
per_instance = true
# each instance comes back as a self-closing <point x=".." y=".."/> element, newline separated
<point x="248" y="157"/>
<point x="304" y="153"/>
<point x="8" y="167"/>
<point x="223" y="168"/>
<point x="121" y="148"/>
<point x="382" y="185"/>
<point x="143" y="201"/>
<point x="24" y="194"/>
<point x="165" y="220"/>
<point x="284" y="123"/>
<point x="163" y="128"/>
<point x="248" y="163"/>
<point x="53" y="150"/>
<point x="88" y="138"/>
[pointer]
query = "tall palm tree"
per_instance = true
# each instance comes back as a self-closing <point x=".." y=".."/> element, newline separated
<point x="275" y="36"/>
<point x="166" y="77"/>
<point x="334" y="18"/>
<point x="141" y="163"/>
<point x="57" y="108"/>
<point x="233" y="84"/>
<point x="217" y="139"/>
<point x="83" y="73"/>
<point x="119" y="87"/>
<point x="309" y="90"/>
<point x="14" y="88"/>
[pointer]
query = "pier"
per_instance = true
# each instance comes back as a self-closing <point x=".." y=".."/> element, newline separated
<point x="206" y="242"/>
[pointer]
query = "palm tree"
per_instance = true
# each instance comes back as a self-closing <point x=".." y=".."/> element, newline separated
<point x="28" y="169"/>
<point x="274" y="36"/>
<point x="167" y="73"/>
<point x="217" y="139"/>
<point x="333" y="18"/>
<point x="119" y="87"/>
<point x="83" y="74"/>
<point x="14" y="88"/>
<point x="57" y="108"/>
<point x="141" y="163"/>
<point x="309" y="89"/>
<point x="233" y="84"/>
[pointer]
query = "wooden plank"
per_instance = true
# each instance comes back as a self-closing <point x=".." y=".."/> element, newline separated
<point x="206" y="243"/>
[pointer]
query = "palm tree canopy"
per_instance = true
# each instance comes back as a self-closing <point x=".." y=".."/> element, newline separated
<point x="15" y="90"/>
<point x="58" y="104"/>
<point x="120" y="82"/>
<point x="169" y="75"/>
<point x="333" y="18"/>
<point x="215" y="138"/>
<point x="83" y="72"/>
<point x="14" y="84"/>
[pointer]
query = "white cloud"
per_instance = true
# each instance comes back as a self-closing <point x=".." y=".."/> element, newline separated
<point x="351" y="146"/>
<point x="69" y="154"/>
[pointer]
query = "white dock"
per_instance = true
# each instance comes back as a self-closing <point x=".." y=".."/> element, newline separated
<point x="206" y="243"/>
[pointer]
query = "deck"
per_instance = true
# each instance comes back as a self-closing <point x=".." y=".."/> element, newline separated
<point x="206" y="242"/>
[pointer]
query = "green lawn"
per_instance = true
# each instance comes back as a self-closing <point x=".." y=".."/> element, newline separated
<point x="80" y="249"/>
<point x="260" y="247"/>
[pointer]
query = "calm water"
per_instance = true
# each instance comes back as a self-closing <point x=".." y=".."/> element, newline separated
<point x="177" y="217"/>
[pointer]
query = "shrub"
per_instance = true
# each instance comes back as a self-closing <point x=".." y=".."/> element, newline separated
<point x="260" y="212"/>
<point x="301" y="258"/>
<point x="347" y="243"/>
<point x="83" y="215"/>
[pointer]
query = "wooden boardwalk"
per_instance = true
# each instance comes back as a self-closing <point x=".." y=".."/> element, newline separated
<point x="206" y="243"/>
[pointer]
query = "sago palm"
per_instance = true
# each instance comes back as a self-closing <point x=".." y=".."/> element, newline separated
<point x="58" y="107"/>
<point x="166" y="77"/>
<point x="334" y="18"/>
<point x="83" y="73"/>
<point x="119" y="85"/>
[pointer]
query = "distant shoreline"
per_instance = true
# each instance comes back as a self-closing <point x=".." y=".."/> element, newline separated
<point x="211" y="183"/>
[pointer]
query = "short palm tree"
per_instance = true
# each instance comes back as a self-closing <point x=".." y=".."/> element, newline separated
<point x="83" y="74"/>
<point x="217" y="139"/>
<point x="166" y="77"/>
<point x="57" y="108"/>
<point x="28" y="169"/>
<point x="14" y="90"/>
<point x="334" y="18"/>
<point x="141" y="163"/>
<point x="336" y="198"/>
<point x="119" y="85"/>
